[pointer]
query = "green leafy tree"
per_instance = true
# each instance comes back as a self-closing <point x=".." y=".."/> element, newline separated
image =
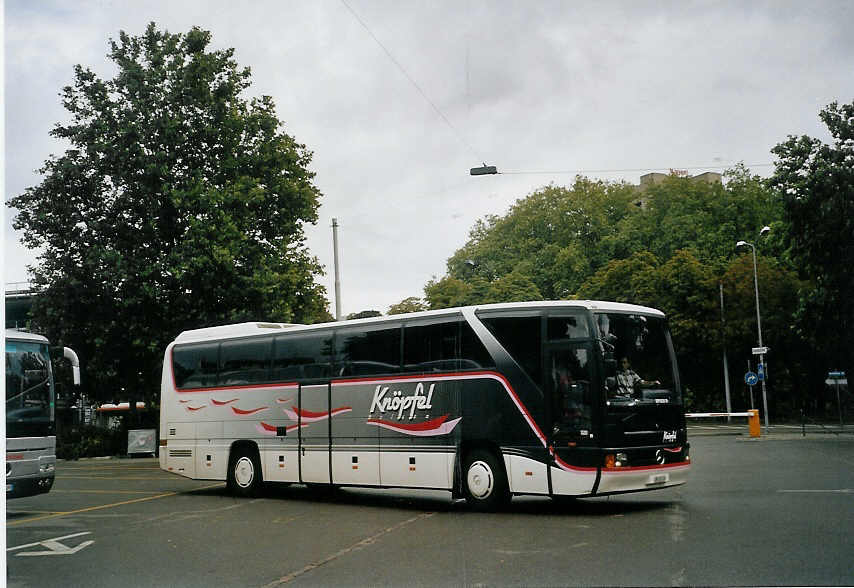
<point x="708" y="218"/>
<point x="179" y="204"/>
<point x="555" y="230"/>
<point x="686" y="289"/>
<point x="517" y="286"/>
<point x="410" y="304"/>
<point x="447" y="293"/>
<point x="790" y="360"/>
<point x="815" y="181"/>
<point x="624" y="280"/>
<point x="364" y="314"/>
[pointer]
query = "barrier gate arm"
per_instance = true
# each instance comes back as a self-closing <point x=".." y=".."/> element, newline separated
<point x="752" y="418"/>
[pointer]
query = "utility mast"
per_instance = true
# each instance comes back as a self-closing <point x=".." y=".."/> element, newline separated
<point x="337" y="278"/>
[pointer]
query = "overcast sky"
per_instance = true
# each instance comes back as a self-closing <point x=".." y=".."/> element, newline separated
<point x="398" y="99"/>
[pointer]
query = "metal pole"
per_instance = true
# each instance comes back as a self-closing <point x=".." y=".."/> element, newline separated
<point x="726" y="369"/>
<point x="337" y="279"/>
<point x="839" y="404"/>
<point x="751" y="387"/>
<point x="759" y="328"/>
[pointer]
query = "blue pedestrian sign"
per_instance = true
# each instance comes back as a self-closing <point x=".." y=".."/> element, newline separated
<point x="760" y="371"/>
<point x="750" y="379"/>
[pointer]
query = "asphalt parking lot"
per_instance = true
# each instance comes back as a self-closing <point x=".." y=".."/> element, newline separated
<point x="774" y="511"/>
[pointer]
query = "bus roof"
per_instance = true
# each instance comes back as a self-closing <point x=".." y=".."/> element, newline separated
<point x="259" y="328"/>
<point x="24" y="336"/>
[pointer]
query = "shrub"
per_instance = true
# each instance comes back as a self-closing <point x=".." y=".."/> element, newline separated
<point x="89" y="441"/>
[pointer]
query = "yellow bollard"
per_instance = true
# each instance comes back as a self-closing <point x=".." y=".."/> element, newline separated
<point x="753" y="421"/>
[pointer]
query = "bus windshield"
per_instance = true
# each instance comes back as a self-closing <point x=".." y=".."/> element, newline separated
<point x="29" y="390"/>
<point x="643" y="403"/>
<point x="638" y="359"/>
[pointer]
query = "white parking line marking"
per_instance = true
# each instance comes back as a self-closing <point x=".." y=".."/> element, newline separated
<point x="840" y="491"/>
<point x="54" y="547"/>
<point x="346" y="550"/>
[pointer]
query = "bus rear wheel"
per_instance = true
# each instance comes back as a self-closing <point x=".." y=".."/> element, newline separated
<point x="484" y="481"/>
<point x="244" y="472"/>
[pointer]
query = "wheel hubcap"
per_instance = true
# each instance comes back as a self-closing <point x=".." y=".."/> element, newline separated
<point x="480" y="480"/>
<point x="244" y="472"/>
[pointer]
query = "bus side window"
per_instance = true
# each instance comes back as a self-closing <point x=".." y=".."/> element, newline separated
<point x="568" y="327"/>
<point x="244" y="362"/>
<point x="473" y="355"/>
<point x="195" y="365"/>
<point x="431" y="348"/>
<point x="520" y="336"/>
<point x="309" y="355"/>
<point x="368" y="351"/>
<point x="571" y="380"/>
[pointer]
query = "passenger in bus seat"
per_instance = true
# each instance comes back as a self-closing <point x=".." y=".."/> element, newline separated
<point x="568" y="407"/>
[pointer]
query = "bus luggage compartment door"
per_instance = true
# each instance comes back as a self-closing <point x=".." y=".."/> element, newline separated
<point x="314" y="433"/>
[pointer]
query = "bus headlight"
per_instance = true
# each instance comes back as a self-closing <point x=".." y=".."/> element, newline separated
<point x="46" y="467"/>
<point x="616" y="460"/>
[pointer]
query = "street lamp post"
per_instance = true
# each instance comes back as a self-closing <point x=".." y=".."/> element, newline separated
<point x="759" y="319"/>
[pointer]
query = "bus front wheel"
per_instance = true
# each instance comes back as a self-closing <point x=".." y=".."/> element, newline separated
<point x="484" y="481"/>
<point x="244" y="472"/>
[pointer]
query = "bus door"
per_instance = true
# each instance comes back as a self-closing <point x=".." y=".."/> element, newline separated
<point x="569" y="381"/>
<point x="314" y="433"/>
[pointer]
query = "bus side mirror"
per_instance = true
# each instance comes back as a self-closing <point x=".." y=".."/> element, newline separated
<point x="71" y="356"/>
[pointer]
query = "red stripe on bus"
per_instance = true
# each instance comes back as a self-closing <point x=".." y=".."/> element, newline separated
<point x="568" y="467"/>
<point x="316" y="415"/>
<point x="646" y="468"/>
<point x="250" y="411"/>
<point x="425" y="426"/>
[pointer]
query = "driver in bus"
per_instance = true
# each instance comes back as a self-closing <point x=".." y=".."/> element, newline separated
<point x="627" y="379"/>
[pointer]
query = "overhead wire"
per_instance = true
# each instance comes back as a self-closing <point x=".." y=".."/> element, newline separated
<point x="468" y="145"/>
<point x="412" y="81"/>
<point x="625" y="170"/>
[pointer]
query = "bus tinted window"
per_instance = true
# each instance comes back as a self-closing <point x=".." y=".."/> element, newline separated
<point x="473" y="354"/>
<point x="195" y="366"/>
<point x="568" y="327"/>
<point x="367" y="352"/>
<point x="431" y="348"/>
<point x="644" y="367"/>
<point x="520" y="336"/>
<point x="244" y="362"/>
<point x="569" y="371"/>
<point x="28" y="388"/>
<point x="303" y="356"/>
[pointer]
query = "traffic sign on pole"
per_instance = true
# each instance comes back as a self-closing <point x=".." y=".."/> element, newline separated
<point x="750" y="379"/>
<point x="759" y="350"/>
<point x="760" y="372"/>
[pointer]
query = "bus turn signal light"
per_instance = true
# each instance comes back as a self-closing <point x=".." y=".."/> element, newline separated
<point x="610" y="460"/>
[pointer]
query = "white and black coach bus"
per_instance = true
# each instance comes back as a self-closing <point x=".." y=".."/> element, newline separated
<point x="570" y="398"/>
<point x="31" y="413"/>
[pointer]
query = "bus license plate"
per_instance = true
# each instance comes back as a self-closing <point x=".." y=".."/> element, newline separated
<point x="658" y="479"/>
